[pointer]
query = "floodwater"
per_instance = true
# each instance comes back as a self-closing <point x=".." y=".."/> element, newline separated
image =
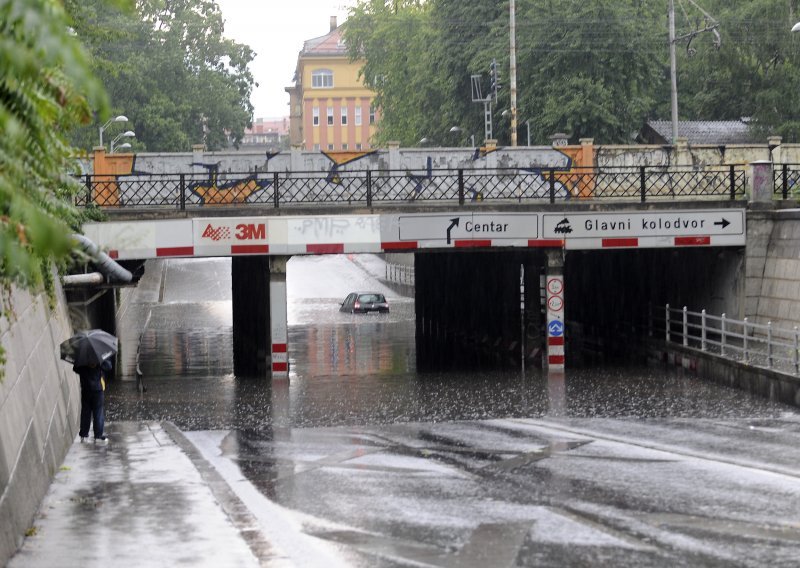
<point x="361" y="460"/>
<point x="355" y="369"/>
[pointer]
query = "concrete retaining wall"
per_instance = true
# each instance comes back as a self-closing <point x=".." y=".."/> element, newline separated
<point x="773" y="267"/>
<point x="39" y="410"/>
<point x="772" y="385"/>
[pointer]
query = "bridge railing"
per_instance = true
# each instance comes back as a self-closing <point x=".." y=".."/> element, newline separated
<point x="787" y="180"/>
<point x="751" y="343"/>
<point x="373" y="187"/>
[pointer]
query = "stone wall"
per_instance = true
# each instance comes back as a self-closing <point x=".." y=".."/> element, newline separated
<point x="39" y="410"/>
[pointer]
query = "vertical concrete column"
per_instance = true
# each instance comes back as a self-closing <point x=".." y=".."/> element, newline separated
<point x="278" y="317"/>
<point x="774" y="145"/>
<point x="394" y="156"/>
<point x="554" y="285"/>
<point x="763" y="182"/>
<point x="296" y="159"/>
<point x="198" y="151"/>
<point x="683" y="157"/>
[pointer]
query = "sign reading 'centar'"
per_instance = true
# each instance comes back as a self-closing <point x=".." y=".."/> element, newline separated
<point x="448" y="228"/>
<point x="650" y="224"/>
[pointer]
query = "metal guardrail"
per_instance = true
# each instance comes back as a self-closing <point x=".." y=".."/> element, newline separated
<point x="372" y="187"/>
<point x="400" y="273"/>
<point x="787" y="180"/>
<point x="751" y="343"/>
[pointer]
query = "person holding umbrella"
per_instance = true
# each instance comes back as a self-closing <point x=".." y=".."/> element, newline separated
<point x="90" y="352"/>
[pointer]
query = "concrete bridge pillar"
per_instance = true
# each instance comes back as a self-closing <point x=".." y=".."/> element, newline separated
<point x="251" y="314"/>
<point x="554" y="287"/>
<point x="763" y="182"/>
<point x="278" y="317"/>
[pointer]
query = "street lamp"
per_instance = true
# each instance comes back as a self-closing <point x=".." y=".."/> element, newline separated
<point x="125" y="146"/>
<point x="459" y="130"/>
<point x="796" y="27"/>
<point x="126" y="134"/>
<point x="423" y="141"/>
<point x="110" y="121"/>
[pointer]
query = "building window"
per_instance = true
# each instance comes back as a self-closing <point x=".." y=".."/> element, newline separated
<point x="358" y="146"/>
<point x="371" y="114"/>
<point x="322" y="79"/>
<point x="315" y="114"/>
<point x="344" y="116"/>
<point x="316" y="147"/>
<point x="330" y="116"/>
<point x="344" y="146"/>
<point x="358" y="116"/>
<point x="330" y="146"/>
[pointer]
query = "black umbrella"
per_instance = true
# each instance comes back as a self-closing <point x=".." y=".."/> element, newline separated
<point x="89" y="347"/>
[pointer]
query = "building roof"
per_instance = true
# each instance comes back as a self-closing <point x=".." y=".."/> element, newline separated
<point x="329" y="44"/>
<point x="699" y="132"/>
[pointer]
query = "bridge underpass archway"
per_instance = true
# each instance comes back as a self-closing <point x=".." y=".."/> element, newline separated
<point x="610" y="294"/>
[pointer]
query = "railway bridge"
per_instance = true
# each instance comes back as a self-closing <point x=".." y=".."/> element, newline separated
<point x="488" y="229"/>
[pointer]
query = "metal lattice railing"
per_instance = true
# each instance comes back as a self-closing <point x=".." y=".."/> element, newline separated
<point x="751" y="343"/>
<point x="787" y="180"/>
<point x="373" y="187"/>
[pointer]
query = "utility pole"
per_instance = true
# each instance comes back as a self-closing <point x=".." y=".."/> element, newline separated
<point x="673" y="71"/>
<point x="512" y="76"/>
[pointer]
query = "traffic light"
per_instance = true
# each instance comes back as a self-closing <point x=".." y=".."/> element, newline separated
<point x="494" y="73"/>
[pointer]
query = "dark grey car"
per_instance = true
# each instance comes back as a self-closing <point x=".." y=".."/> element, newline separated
<point x="364" y="302"/>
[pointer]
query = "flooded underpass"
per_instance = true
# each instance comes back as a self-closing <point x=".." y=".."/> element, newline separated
<point x="361" y="460"/>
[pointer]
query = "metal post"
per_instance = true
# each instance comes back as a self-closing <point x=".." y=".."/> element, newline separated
<point x="182" y="186"/>
<point x="642" y="185"/>
<point x="673" y="72"/>
<point x="88" y="189"/>
<point x="785" y="175"/>
<point x="461" y="187"/>
<point x="666" y="323"/>
<point x="369" y="188"/>
<point x="745" y="347"/>
<point x="275" y="192"/>
<point x="649" y="319"/>
<point x="703" y="346"/>
<point x="685" y="326"/>
<point x="733" y="182"/>
<point x="723" y="338"/>
<point x="513" y="71"/>
<point x="522" y="316"/>
<point x="769" y="344"/>
<point x="796" y="351"/>
<point x="552" y="185"/>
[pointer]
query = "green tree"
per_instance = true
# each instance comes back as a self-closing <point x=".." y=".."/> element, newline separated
<point x="170" y="70"/>
<point x="586" y="68"/>
<point x="46" y="87"/>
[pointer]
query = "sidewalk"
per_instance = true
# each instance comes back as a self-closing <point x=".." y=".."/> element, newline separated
<point x="146" y="499"/>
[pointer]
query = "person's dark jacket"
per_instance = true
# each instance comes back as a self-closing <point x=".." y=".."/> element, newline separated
<point x="91" y="376"/>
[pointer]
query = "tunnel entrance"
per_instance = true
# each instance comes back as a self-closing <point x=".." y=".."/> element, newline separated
<point x="612" y="297"/>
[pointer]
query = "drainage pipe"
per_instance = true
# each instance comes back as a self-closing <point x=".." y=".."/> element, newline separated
<point x="83" y="279"/>
<point x="107" y="266"/>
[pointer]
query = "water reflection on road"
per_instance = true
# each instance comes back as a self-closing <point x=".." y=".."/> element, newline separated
<point x="357" y="369"/>
<point x="381" y="465"/>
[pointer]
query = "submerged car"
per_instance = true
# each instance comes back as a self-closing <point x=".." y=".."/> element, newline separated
<point x="364" y="302"/>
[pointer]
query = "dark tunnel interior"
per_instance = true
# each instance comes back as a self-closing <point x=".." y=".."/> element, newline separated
<point x="468" y="303"/>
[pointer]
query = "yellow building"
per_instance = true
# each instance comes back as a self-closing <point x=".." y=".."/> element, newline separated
<point x="330" y="109"/>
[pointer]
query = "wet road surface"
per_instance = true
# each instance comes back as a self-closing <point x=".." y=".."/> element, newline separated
<point x="359" y="460"/>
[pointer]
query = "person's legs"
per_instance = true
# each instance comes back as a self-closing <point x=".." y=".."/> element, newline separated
<point x="86" y="413"/>
<point x="98" y="414"/>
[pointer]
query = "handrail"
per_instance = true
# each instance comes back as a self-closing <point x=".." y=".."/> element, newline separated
<point x="372" y="187"/>
<point x="400" y="273"/>
<point x="756" y="344"/>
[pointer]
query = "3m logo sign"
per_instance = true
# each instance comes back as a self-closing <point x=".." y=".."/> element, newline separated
<point x="251" y="231"/>
<point x="216" y="233"/>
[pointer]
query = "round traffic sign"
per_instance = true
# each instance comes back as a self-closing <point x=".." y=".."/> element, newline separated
<point x="555" y="285"/>
<point x="555" y="303"/>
